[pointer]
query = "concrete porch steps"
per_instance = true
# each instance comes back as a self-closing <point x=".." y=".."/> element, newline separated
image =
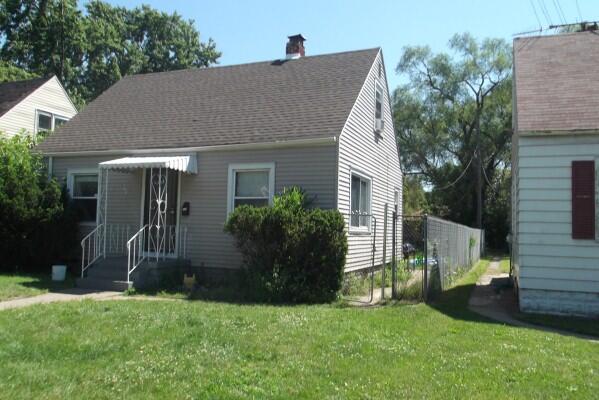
<point x="106" y="274"/>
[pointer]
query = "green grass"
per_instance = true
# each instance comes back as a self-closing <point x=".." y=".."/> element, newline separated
<point x="16" y="286"/>
<point x="571" y="324"/>
<point x="504" y="265"/>
<point x="200" y="349"/>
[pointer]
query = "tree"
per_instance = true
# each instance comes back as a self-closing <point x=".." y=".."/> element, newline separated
<point x="90" y="51"/>
<point x="453" y="119"/>
<point x="9" y="73"/>
<point x="36" y="225"/>
<point x="414" y="196"/>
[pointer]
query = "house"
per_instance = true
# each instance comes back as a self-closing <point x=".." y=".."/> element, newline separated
<point x="34" y="105"/>
<point x="159" y="160"/>
<point x="555" y="159"/>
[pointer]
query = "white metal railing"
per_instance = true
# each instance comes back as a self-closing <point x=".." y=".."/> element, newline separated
<point x="117" y="236"/>
<point x="92" y="246"/>
<point x="135" y="250"/>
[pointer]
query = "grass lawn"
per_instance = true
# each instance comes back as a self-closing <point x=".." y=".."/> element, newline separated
<point x="504" y="265"/>
<point x="15" y="286"/>
<point x="199" y="349"/>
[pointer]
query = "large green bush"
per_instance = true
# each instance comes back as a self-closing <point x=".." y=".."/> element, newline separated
<point x="37" y="228"/>
<point x="290" y="253"/>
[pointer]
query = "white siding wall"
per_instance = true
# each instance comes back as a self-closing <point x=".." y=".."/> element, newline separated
<point x="49" y="97"/>
<point x="555" y="272"/>
<point x="360" y="149"/>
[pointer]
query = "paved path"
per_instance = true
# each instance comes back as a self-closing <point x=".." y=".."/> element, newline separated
<point x="493" y="299"/>
<point x="63" y="295"/>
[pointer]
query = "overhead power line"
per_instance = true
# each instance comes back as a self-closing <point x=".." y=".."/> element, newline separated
<point x="578" y="9"/>
<point x="532" y="3"/>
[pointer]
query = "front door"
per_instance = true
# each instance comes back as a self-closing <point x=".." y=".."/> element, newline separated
<point x="160" y="211"/>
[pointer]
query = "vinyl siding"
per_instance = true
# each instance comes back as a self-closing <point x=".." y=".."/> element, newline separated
<point x="312" y="168"/>
<point x="124" y="188"/>
<point x="49" y="97"/>
<point x="362" y="150"/>
<point x="545" y="253"/>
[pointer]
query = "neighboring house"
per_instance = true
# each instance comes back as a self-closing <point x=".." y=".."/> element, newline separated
<point x="34" y="105"/>
<point x="555" y="159"/>
<point x="161" y="159"/>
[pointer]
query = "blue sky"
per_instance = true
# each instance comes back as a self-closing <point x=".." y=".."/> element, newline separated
<point x="247" y="31"/>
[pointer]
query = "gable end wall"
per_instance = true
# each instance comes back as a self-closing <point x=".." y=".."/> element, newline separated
<point x="361" y="149"/>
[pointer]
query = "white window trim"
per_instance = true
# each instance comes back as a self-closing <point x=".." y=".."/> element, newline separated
<point x="360" y="229"/>
<point x="377" y="86"/>
<point x="52" y="116"/>
<point x="70" y="181"/>
<point x="233" y="168"/>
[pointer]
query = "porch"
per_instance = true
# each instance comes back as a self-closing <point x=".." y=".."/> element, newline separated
<point x="115" y="254"/>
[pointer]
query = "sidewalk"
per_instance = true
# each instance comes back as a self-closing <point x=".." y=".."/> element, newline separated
<point x="63" y="295"/>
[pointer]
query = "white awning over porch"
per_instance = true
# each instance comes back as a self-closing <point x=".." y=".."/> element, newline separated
<point x="187" y="163"/>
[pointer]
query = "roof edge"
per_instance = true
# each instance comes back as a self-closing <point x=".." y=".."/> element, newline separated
<point x="238" y="146"/>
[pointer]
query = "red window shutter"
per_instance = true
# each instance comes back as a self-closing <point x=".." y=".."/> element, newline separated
<point x="583" y="199"/>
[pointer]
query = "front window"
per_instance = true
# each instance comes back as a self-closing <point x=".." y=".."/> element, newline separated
<point x="251" y="184"/>
<point x="84" y="193"/>
<point x="360" y="202"/>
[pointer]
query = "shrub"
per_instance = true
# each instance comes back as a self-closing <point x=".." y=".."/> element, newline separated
<point x="37" y="227"/>
<point x="290" y="253"/>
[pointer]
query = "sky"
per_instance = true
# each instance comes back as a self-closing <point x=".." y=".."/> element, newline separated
<point x="248" y="31"/>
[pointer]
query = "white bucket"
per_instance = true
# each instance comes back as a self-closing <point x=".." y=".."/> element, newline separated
<point x="59" y="272"/>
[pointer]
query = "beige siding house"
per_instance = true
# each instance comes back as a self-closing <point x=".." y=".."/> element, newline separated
<point x="158" y="161"/>
<point x="33" y="105"/>
<point x="555" y="159"/>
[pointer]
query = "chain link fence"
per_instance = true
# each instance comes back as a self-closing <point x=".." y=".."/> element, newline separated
<point x="409" y="257"/>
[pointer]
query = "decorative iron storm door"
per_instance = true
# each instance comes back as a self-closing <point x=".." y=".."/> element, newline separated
<point x="160" y="211"/>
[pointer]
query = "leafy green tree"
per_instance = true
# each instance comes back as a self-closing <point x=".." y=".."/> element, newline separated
<point x="453" y="121"/>
<point x="36" y="225"/>
<point x="414" y="196"/>
<point x="9" y="73"/>
<point x="90" y="51"/>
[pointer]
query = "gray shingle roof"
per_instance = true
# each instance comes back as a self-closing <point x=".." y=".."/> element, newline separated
<point x="12" y="93"/>
<point x="557" y="82"/>
<point x="271" y="101"/>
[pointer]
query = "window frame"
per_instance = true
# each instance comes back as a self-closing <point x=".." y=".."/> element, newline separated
<point x="71" y="173"/>
<point x="53" y="118"/>
<point x="360" y="229"/>
<point x="249" y="167"/>
<point x="378" y="88"/>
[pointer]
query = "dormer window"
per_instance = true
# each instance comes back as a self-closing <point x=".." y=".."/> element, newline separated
<point x="378" y="108"/>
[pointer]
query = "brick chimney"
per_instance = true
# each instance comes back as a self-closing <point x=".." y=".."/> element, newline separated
<point x="295" y="47"/>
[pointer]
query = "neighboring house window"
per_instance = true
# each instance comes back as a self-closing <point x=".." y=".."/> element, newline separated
<point x="396" y="200"/>
<point x="250" y="184"/>
<point x="583" y="200"/>
<point x="378" y="106"/>
<point x="83" y="187"/>
<point x="58" y="121"/>
<point x="46" y="121"/>
<point x="360" y="202"/>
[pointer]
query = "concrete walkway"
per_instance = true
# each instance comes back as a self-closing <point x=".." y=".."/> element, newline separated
<point x="494" y="298"/>
<point x="63" y="295"/>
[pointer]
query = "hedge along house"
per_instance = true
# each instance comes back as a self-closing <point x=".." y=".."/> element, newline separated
<point x="159" y="160"/>
<point x="554" y="173"/>
<point x="34" y="105"/>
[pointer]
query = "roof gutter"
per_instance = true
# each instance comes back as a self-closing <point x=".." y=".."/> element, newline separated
<point x="241" y="146"/>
